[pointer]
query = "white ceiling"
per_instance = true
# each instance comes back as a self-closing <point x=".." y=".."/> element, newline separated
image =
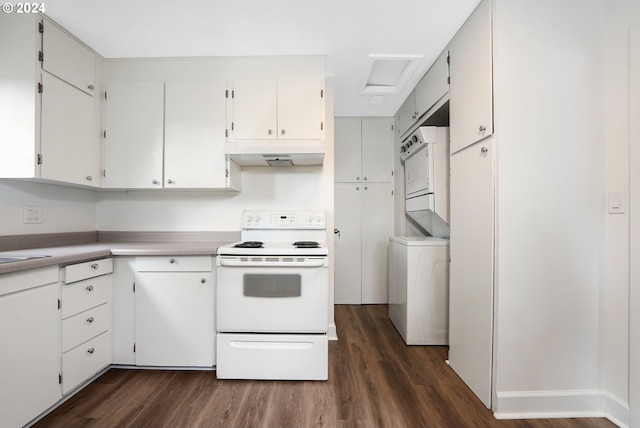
<point x="345" y="31"/>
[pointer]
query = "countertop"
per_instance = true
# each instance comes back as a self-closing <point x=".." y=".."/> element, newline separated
<point x="67" y="254"/>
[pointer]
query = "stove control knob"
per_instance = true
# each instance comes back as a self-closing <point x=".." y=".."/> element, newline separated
<point x="257" y="218"/>
<point x="249" y="218"/>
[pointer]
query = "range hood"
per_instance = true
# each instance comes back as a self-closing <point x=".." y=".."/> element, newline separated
<point x="275" y="152"/>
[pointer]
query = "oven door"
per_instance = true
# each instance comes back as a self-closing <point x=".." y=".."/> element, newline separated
<point x="272" y="295"/>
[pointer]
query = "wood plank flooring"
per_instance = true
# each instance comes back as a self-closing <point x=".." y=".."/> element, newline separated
<point x="375" y="380"/>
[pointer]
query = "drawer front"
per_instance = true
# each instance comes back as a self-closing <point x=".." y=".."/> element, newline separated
<point x="84" y="326"/>
<point x="174" y="264"/>
<point x="83" y="361"/>
<point x="83" y="295"/>
<point x="80" y="271"/>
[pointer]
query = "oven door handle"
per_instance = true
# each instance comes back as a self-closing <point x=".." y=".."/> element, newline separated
<point x="309" y="262"/>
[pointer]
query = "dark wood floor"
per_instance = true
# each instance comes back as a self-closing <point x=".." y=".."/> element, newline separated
<point x="375" y="380"/>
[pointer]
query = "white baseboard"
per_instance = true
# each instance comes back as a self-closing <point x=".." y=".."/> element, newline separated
<point x="332" y="333"/>
<point x="616" y="410"/>
<point x="549" y="404"/>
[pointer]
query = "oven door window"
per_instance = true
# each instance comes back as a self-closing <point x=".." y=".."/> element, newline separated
<point x="272" y="285"/>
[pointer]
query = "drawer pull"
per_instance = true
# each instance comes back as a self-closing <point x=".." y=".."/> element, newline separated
<point x="91" y="350"/>
<point x="94" y="266"/>
<point x="89" y="288"/>
<point x="203" y="280"/>
<point x="172" y="260"/>
<point x="90" y="320"/>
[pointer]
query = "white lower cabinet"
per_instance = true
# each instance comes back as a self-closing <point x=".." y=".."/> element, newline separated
<point x="174" y="311"/>
<point x="29" y="337"/>
<point x="85" y="321"/>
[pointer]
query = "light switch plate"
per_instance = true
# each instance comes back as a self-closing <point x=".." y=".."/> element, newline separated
<point x="32" y="215"/>
<point x="616" y="202"/>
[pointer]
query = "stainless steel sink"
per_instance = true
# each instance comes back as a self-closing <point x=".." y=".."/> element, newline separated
<point x="11" y="259"/>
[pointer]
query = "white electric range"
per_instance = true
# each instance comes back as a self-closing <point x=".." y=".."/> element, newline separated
<point x="272" y="299"/>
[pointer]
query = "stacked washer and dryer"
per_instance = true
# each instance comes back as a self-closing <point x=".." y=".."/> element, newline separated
<point x="419" y="264"/>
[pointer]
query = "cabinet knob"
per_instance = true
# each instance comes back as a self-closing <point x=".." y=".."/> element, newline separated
<point x="365" y="179"/>
<point x="95" y="266"/>
<point x="91" y="350"/>
<point x="203" y="280"/>
<point x="89" y="288"/>
<point x="357" y="187"/>
<point x="172" y="260"/>
<point x="89" y="178"/>
<point x="336" y="232"/>
<point x="171" y="181"/>
<point x="91" y="87"/>
<point x="284" y="131"/>
<point x="482" y="128"/>
<point x="155" y="182"/>
<point x="270" y="131"/>
<point x="90" y="320"/>
<point x="484" y="150"/>
<point x="366" y="188"/>
<point x="357" y="178"/>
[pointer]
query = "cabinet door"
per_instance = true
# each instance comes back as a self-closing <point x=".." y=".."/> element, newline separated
<point x="348" y="149"/>
<point x="67" y="132"/>
<point x="377" y="150"/>
<point x="194" y="135"/>
<point x="174" y="320"/>
<point x="471" y="268"/>
<point x="377" y="227"/>
<point x="300" y="109"/>
<point x="471" y="88"/>
<point x="348" y="244"/>
<point x="30" y="357"/>
<point x="406" y="115"/>
<point x="433" y="86"/>
<point x="67" y="58"/>
<point x="122" y="311"/>
<point x="134" y="135"/>
<point x="254" y="110"/>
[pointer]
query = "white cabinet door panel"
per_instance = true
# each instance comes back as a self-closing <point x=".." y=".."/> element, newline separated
<point x="433" y="86"/>
<point x="254" y="110"/>
<point x="30" y="357"/>
<point x="300" y="109"/>
<point x="471" y="268"/>
<point x="377" y="150"/>
<point x="348" y="264"/>
<point x="471" y="88"/>
<point x="135" y="128"/>
<point x="377" y="227"/>
<point x="348" y="153"/>
<point x="67" y="133"/>
<point x="194" y="134"/>
<point x="68" y="59"/>
<point x="174" y="319"/>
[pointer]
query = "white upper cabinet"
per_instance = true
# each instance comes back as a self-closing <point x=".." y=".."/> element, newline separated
<point x="283" y="109"/>
<point x="67" y="59"/>
<point x="471" y="93"/>
<point x="433" y="86"/>
<point x="51" y="131"/>
<point x="407" y="114"/>
<point x="134" y="135"/>
<point x="363" y="150"/>
<point x="67" y="130"/>
<point x="195" y="135"/>
<point x="167" y="135"/>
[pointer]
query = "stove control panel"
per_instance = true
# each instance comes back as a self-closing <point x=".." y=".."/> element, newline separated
<point x="284" y="220"/>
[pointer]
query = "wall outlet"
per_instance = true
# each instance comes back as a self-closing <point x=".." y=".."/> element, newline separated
<point x="32" y="215"/>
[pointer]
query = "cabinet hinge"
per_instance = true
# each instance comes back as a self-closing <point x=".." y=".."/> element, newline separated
<point x="39" y="159"/>
<point x="226" y="132"/>
<point x="134" y="287"/>
<point x="232" y="126"/>
<point x="40" y="56"/>
<point x="321" y="93"/>
<point x="104" y="172"/>
<point x="448" y="58"/>
<point x="392" y="127"/>
<point x="40" y="27"/>
<point x="105" y="95"/>
<point x="233" y="93"/>
<point x="392" y="193"/>
<point x="322" y="126"/>
<point x="226" y="173"/>
<point x="59" y="304"/>
<point x="448" y="80"/>
<point x="226" y="93"/>
<point x="60" y="378"/>
<point x="40" y="88"/>
<point x="134" y="347"/>
<point x="104" y="133"/>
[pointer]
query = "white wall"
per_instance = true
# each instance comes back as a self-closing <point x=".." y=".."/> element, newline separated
<point x="64" y="209"/>
<point x="549" y="103"/>
<point x="620" y="16"/>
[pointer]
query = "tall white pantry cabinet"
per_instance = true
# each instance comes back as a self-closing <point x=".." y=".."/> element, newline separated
<point x="363" y="208"/>
<point x="526" y="120"/>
